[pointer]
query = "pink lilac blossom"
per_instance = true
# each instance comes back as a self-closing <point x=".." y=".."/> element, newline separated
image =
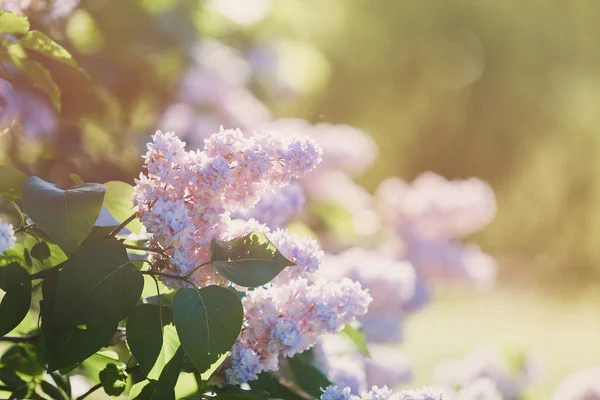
<point x="29" y="111"/>
<point x="430" y="216"/>
<point x="275" y="209"/>
<point x="285" y="320"/>
<point x="7" y="236"/>
<point x="487" y="362"/>
<point x="582" y="385"/>
<point x="186" y="197"/>
<point x="345" y="148"/>
<point x="391" y="283"/>
<point x="376" y="393"/>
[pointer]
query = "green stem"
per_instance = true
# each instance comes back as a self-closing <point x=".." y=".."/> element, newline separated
<point x="123" y="224"/>
<point x="197" y="268"/>
<point x="164" y="275"/>
<point x="143" y="248"/>
<point x="21" y="216"/>
<point x="21" y="339"/>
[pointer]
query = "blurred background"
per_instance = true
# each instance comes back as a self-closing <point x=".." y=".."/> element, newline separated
<point x="503" y="91"/>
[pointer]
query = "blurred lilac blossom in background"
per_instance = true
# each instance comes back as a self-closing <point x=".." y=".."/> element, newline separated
<point x="582" y="385"/>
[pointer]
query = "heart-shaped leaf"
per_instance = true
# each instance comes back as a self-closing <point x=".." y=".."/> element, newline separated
<point x="67" y="216"/>
<point x="67" y="346"/>
<point x="43" y="44"/>
<point x="208" y="322"/>
<point x="11" y="182"/>
<point x="113" y="379"/>
<point x="97" y="286"/>
<point x="14" y="280"/>
<point x="248" y="261"/>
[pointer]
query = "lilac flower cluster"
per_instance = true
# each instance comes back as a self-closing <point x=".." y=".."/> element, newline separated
<point x="376" y="393"/>
<point x="486" y="362"/>
<point x="7" y="236"/>
<point x="285" y="320"/>
<point x="431" y="215"/>
<point x="277" y="208"/>
<point x="186" y="197"/>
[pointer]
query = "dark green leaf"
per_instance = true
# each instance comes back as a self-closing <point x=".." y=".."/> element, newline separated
<point x="307" y="376"/>
<point x="40" y="251"/>
<point x="14" y="280"/>
<point x="13" y="23"/>
<point x="208" y="322"/>
<point x="27" y="258"/>
<point x="40" y="42"/>
<point x="358" y="338"/>
<point x="231" y="390"/>
<point x="62" y="382"/>
<point x="67" y="346"/>
<point x="10" y="378"/>
<point x="24" y="359"/>
<point x="113" y="379"/>
<point x="162" y="388"/>
<point x="145" y="335"/>
<point x="52" y="391"/>
<point x="248" y="261"/>
<point x="11" y="182"/>
<point x="41" y="79"/>
<point x="97" y="286"/>
<point x="67" y="216"/>
<point x="119" y="204"/>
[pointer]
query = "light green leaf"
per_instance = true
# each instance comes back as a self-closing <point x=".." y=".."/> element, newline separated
<point x="208" y="322"/>
<point x="40" y="42"/>
<point x="11" y="182"/>
<point x="67" y="216"/>
<point x="117" y="201"/>
<point x="98" y="285"/>
<point x="248" y="261"/>
<point x="358" y="338"/>
<point x="42" y="79"/>
<point x="13" y="23"/>
<point x="14" y="280"/>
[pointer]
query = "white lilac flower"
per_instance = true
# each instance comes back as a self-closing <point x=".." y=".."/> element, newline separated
<point x="7" y="236"/>
<point x="376" y="393"/>
<point x="582" y="385"/>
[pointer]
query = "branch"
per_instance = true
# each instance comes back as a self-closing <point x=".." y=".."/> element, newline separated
<point x="34" y="339"/>
<point x="143" y="248"/>
<point x="123" y="224"/>
<point x="92" y="390"/>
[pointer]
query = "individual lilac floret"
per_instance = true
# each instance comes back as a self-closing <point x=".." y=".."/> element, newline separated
<point x="275" y="209"/>
<point x="376" y="393"/>
<point x="286" y="320"/>
<point x="487" y="362"/>
<point x="391" y="284"/>
<point x="186" y="197"/>
<point x="582" y="385"/>
<point x="7" y="236"/>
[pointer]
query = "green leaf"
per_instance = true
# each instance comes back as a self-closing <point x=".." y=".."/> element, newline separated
<point x="76" y="179"/>
<point x="164" y="387"/>
<point x="145" y="335"/>
<point x="98" y="285"/>
<point x="41" y="43"/>
<point x="27" y="258"/>
<point x="13" y="23"/>
<point x="67" y="346"/>
<point x="248" y="261"/>
<point x="24" y="359"/>
<point x="208" y="322"/>
<point x="62" y="382"/>
<point x="306" y="374"/>
<point x="113" y="379"/>
<point x="269" y="383"/>
<point x="230" y="390"/>
<point x="52" y="391"/>
<point x="119" y="204"/>
<point x="40" y="251"/>
<point x="14" y="280"/>
<point x="11" y="182"/>
<point x="67" y="216"/>
<point x="358" y="338"/>
<point x="10" y="378"/>
<point x="42" y="79"/>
